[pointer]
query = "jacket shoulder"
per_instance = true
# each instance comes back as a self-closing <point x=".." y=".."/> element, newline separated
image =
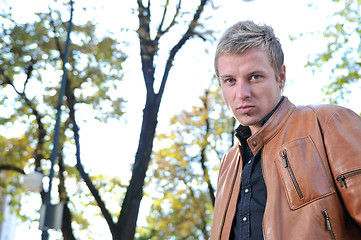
<point x="324" y="111"/>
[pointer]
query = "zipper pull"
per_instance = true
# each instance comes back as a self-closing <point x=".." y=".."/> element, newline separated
<point x="284" y="157"/>
<point x="328" y="224"/>
<point x="341" y="180"/>
<point x="327" y="219"/>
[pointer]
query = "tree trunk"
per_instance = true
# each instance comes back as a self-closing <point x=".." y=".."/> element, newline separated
<point x="130" y="208"/>
<point x="66" y="227"/>
<point x="127" y="221"/>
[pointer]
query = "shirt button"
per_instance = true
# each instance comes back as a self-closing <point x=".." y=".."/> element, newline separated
<point x="250" y="161"/>
<point x="246" y="190"/>
<point x="244" y="219"/>
<point x="254" y="143"/>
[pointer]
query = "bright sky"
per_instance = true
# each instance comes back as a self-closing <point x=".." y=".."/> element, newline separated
<point x="110" y="148"/>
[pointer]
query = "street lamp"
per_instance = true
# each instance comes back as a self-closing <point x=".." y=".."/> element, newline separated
<point x="50" y="214"/>
<point x="33" y="182"/>
<point x="50" y="210"/>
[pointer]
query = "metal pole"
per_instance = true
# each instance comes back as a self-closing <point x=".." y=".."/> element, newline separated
<point x="45" y="234"/>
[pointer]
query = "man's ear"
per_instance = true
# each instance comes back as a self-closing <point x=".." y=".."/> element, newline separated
<point x="282" y="77"/>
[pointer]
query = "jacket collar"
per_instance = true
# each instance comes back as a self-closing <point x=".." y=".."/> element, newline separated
<point x="244" y="132"/>
<point x="271" y="126"/>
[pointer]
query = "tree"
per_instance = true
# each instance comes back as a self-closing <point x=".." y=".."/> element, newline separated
<point x="28" y="52"/>
<point x="149" y="47"/>
<point x="184" y="170"/>
<point x="343" y="54"/>
<point x="11" y="164"/>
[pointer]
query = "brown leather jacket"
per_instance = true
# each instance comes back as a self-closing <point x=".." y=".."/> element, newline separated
<point x="311" y="162"/>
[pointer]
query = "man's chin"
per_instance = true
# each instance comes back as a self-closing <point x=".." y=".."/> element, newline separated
<point x="248" y="122"/>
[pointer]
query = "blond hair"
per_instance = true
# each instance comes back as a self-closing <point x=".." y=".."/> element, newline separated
<point x="246" y="34"/>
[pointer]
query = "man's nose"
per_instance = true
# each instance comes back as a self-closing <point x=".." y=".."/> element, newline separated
<point x="243" y="90"/>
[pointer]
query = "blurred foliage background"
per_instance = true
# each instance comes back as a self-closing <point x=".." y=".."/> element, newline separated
<point x="174" y="167"/>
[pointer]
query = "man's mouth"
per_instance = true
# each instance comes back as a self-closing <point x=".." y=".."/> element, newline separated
<point x="245" y="109"/>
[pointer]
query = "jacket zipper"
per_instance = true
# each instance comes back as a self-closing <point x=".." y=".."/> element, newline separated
<point x="292" y="175"/>
<point x="341" y="178"/>
<point x="328" y="224"/>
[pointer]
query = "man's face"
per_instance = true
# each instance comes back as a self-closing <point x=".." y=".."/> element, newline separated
<point x="249" y="86"/>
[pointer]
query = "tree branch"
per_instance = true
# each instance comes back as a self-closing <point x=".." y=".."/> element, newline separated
<point x="160" y="32"/>
<point x="71" y="103"/>
<point x="8" y="167"/>
<point x="57" y="41"/>
<point x="66" y="227"/>
<point x="189" y="33"/>
<point x="203" y="150"/>
<point x="148" y="48"/>
<point x="28" y="72"/>
<point x="9" y="81"/>
<point x="38" y="152"/>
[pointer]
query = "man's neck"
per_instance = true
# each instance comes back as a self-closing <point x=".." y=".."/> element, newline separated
<point x="256" y="127"/>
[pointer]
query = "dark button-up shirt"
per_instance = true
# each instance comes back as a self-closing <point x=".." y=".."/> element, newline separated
<point x="247" y="223"/>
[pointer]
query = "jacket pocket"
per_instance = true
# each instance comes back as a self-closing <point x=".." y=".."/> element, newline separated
<point x="303" y="173"/>
<point x="342" y="179"/>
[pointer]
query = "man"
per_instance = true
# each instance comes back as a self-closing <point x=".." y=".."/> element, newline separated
<point x="296" y="171"/>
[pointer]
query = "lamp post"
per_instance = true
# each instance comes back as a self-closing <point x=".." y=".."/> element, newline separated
<point x="48" y="208"/>
<point x="33" y="182"/>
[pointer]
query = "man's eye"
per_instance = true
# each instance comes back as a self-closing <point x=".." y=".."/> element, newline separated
<point x="229" y="80"/>
<point x="255" y="77"/>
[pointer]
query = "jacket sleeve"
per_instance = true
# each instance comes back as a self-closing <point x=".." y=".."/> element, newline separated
<point x="342" y="138"/>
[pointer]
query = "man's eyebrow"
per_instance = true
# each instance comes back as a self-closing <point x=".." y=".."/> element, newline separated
<point x="255" y="73"/>
<point x="225" y="76"/>
<point x="258" y="70"/>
